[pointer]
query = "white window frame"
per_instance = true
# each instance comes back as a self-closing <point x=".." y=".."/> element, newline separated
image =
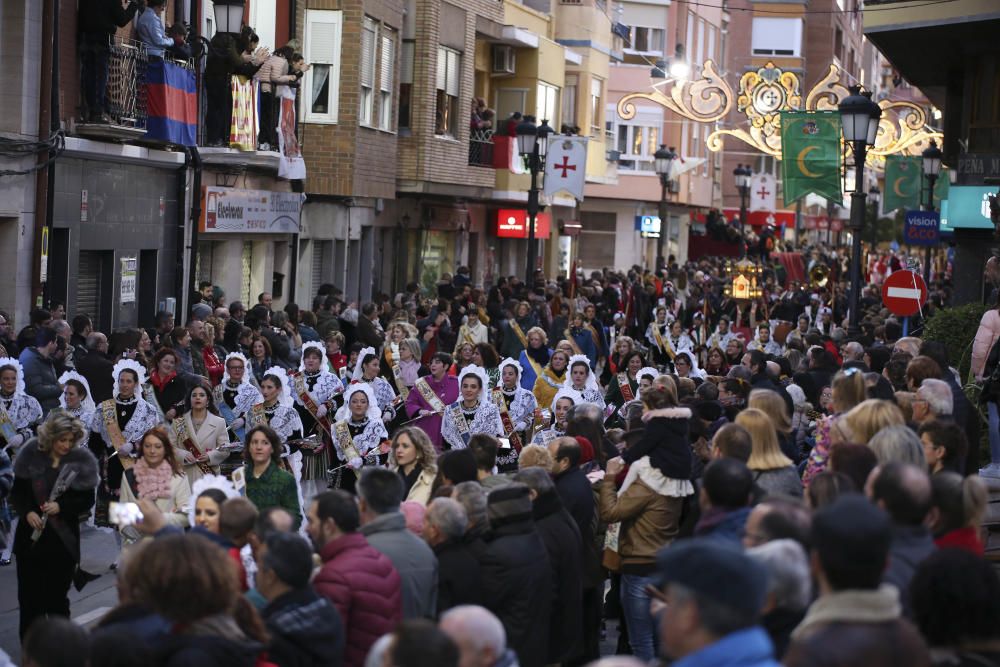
<point x="547" y="104"/>
<point x="387" y="82"/>
<point x="450" y="88"/>
<point x="769" y="35"/>
<point x="568" y="111"/>
<point x="633" y="38"/>
<point x="596" y="106"/>
<point x="645" y="120"/>
<point x="336" y="19"/>
<point x="369" y="43"/>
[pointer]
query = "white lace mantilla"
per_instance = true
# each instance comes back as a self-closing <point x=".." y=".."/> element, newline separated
<point x="486" y="420"/>
<point x="143" y="419"/>
<point x="327" y="386"/>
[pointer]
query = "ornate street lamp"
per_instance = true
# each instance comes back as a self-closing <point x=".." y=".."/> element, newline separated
<point x="859" y="118"/>
<point x="663" y="161"/>
<point x="932" y="169"/>
<point x="533" y="144"/>
<point x="228" y="15"/>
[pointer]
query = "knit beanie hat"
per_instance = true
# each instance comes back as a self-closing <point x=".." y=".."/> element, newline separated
<point x="508" y="504"/>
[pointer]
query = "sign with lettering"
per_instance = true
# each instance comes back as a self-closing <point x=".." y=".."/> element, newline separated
<point x="648" y="226"/>
<point x="512" y="223"/>
<point x="922" y="228"/>
<point x="231" y="210"/>
<point x="978" y="168"/>
<point x="128" y="279"/>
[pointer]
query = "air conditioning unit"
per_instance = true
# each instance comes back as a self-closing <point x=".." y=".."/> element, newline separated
<point x="503" y="59"/>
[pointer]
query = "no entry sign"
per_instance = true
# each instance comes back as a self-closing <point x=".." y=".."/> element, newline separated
<point x="904" y="293"/>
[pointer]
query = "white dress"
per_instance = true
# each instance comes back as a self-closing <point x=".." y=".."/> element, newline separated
<point x="485" y="418"/>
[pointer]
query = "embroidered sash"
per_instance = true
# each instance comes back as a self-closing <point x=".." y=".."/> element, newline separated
<point x="455" y="409"/>
<point x="257" y="416"/>
<point x="428" y="395"/>
<point x="299" y="382"/>
<point x="625" y="387"/>
<point x="345" y="444"/>
<point x="397" y="374"/>
<point x="150" y="396"/>
<point x="660" y="343"/>
<point x="188" y="443"/>
<point x="508" y="425"/>
<point x="516" y="328"/>
<point x="555" y="384"/>
<point x="7" y="429"/>
<point x="227" y="412"/>
<point x="108" y="410"/>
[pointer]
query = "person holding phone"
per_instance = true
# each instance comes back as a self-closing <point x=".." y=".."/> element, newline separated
<point x="157" y="476"/>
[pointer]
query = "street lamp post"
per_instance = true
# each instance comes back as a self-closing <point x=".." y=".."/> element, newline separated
<point x="932" y="168"/>
<point x="742" y="174"/>
<point x="228" y="15"/>
<point x="860" y="117"/>
<point x="663" y="160"/>
<point x="532" y="144"/>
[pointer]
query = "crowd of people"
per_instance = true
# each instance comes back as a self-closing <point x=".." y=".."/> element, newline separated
<point x="495" y="476"/>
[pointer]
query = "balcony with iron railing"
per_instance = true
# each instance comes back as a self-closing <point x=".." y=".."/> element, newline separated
<point x="481" y="148"/>
<point x="152" y="100"/>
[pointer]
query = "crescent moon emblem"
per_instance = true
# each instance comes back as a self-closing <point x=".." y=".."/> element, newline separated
<point x="801" y="161"/>
<point x="895" y="186"/>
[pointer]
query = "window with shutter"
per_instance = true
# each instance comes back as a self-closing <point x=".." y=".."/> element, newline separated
<point x="369" y="38"/>
<point x="387" y="61"/>
<point x="88" y="287"/>
<point x="405" y="82"/>
<point x="596" y="106"/>
<point x="448" y="73"/>
<point x="321" y="82"/>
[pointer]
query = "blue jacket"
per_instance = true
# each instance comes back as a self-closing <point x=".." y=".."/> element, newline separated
<point x="40" y="379"/>
<point x="745" y="648"/>
<point x="722" y="525"/>
<point x="149" y="29"/>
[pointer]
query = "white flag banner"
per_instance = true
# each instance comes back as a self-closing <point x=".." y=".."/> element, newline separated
<point x="682" y="165"/>
<point x="566" y="166"/>
<point x="763" y="193"/>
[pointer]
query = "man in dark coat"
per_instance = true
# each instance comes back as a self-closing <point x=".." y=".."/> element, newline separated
<point x="577" y="496"/>
<point x="517" y="575"/>
<point x="562" y="542"/>
<point x="368" y="333"/>
<point x="40" y="372"/>
<point x="305" y="629"/>
<point x="99" y="20"/>
<point x="459" y="577"/>
<point x="97" y="368"/>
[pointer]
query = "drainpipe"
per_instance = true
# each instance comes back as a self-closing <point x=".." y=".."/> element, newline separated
<point x="182" y="174"/>
<point x="195" y="220"/>
<point x="48" y="122"/>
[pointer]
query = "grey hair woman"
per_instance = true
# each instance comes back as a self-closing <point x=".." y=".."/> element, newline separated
<point x="898" y="443"/>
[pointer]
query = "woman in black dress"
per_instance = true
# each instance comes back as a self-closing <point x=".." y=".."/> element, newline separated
<point x="54" y="482"/>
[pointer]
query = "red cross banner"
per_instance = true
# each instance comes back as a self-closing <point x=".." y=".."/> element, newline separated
<point x="763" y="193"/>
<point x="566" y="166"/>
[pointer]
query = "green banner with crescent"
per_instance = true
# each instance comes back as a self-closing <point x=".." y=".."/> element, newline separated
<point x="902" y="183"/>
<point x="810" y="154"/>
<point x="906" y="185"/>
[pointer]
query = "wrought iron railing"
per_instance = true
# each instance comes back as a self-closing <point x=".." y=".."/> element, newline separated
<point x="126" y="94"/>
<point x="481" y="148"/>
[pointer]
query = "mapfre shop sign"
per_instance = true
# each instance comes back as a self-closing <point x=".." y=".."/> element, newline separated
<point x="513" y="224"/>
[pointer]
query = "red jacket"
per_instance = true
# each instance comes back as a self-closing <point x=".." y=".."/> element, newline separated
<point x="213" y="366"/>
<point x="364" y="587"/>
<point x="962" y="538"/>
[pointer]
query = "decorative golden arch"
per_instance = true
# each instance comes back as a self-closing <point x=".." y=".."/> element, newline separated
<point x="763" y="94"/>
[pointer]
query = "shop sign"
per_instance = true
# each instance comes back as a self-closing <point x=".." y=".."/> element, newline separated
<point x="513" y="224"/>
<point x="128" y="279"/>
<point x="231" y="210"/>
<point x="648" y="226"/>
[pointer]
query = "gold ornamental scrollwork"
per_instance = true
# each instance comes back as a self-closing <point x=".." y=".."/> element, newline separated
<point x="705" y="100"/>
<point x="764" y="93"/>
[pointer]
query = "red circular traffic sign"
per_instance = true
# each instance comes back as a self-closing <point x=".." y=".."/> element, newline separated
<point x="904" y="293"/>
